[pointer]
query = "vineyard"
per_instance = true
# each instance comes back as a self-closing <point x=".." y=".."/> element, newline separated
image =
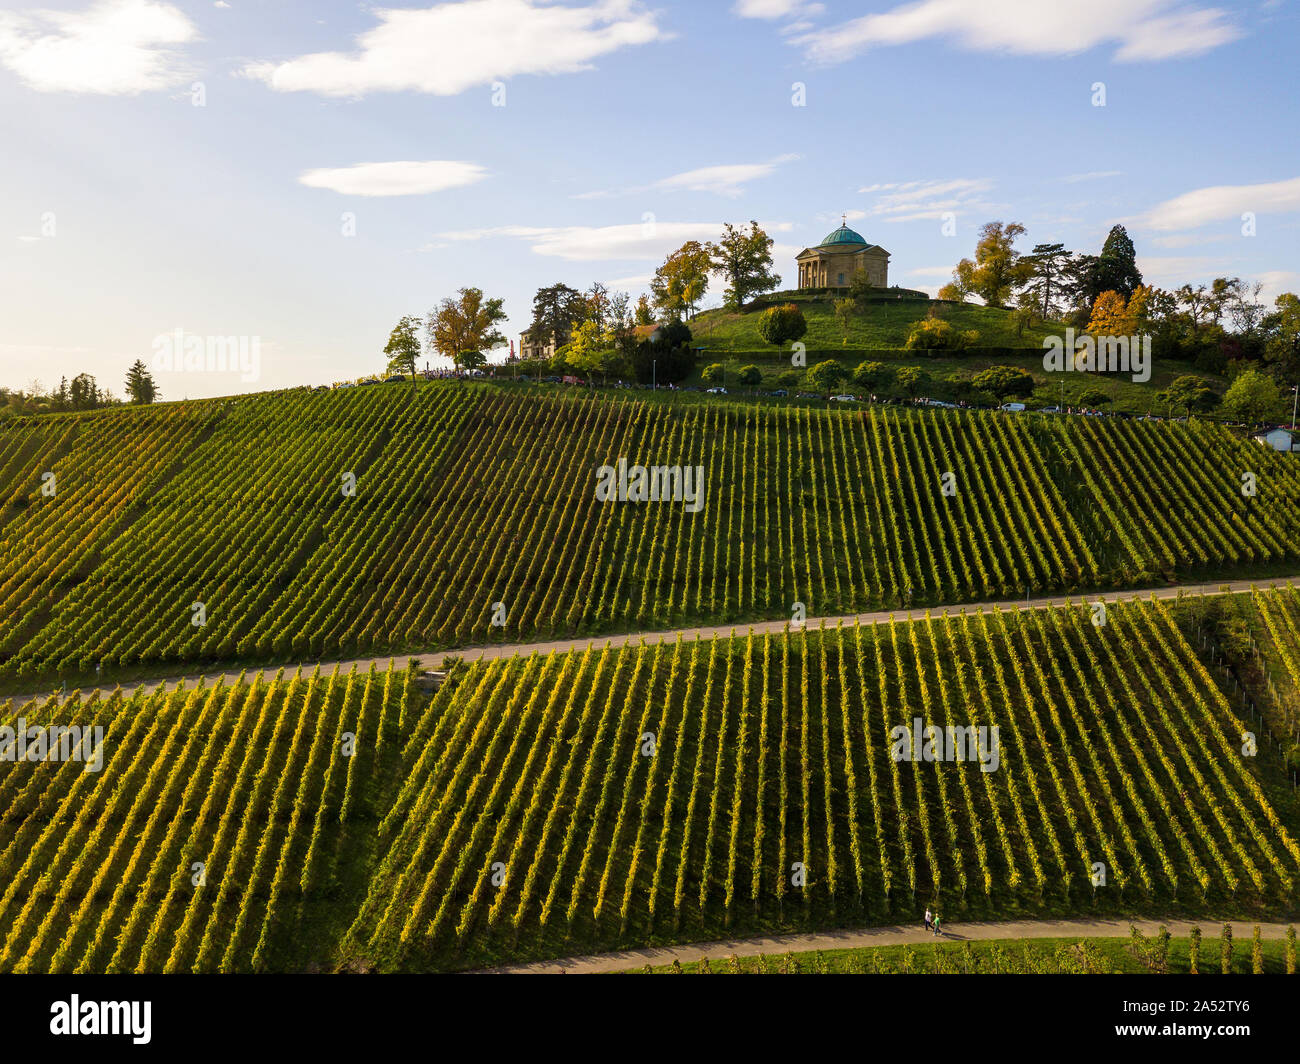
<point x="226" y="831"/>
<point x="541" y="805"/>
<point x="300" y="525"/>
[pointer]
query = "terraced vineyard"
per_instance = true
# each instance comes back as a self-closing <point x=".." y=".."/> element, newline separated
<point x="225" y="531"/>
<point x="678" y="791"/>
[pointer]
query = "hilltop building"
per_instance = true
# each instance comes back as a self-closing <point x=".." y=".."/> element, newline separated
<point x="834" y="262"/>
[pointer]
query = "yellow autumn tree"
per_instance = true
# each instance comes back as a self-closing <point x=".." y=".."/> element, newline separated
<point x="1113" y="316"/>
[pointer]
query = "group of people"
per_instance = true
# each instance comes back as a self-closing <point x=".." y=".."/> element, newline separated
<point x="932" y="922"/>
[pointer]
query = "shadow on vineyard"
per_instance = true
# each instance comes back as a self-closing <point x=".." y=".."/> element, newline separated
<point x="300" y="526"/>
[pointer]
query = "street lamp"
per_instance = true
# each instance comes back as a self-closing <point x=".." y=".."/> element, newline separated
<point x="1295" y="388"/>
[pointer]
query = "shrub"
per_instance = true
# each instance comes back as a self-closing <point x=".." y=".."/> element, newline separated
<point x="1005" y="381"/>
<point x="781" y="325"/>
<point x="827" y="376"/>
<point x="935" y="334"/>
<point x="750" y="376"/>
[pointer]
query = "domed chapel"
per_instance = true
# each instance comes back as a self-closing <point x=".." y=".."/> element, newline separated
<point x="834" y="262"/>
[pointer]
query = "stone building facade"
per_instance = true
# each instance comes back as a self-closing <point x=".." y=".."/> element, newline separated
<point x="834" y="262"/>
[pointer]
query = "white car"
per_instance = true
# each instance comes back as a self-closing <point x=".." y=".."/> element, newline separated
<point x="1014" y="408"/>
<point x="844" y="399"/>
<point x="717" y="391"/>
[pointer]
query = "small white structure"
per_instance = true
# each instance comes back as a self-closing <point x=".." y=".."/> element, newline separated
<point x="1278" y="439"/>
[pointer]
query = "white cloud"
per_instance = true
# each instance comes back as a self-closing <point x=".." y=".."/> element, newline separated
<point x="931" y="271"/>
<point x="1177" y="269"/>
<point x="452" y="47"/>
<point x="726" y="180"/>
<point x="1223" y="202"/>
<point x="395" y="178"/>
<point x="1275" y="283"/>
<point x="914" y="200"/>
<point x="113" y="48"/>
<point x="1142" y="29"/>
<point x="651" y="241"/>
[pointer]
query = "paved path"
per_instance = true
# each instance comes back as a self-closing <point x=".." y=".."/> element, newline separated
<point x="657" y="956"/>
<point x="434" y="659"/>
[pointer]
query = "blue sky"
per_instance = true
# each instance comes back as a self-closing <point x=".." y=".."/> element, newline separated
<point x="509" y="144"/>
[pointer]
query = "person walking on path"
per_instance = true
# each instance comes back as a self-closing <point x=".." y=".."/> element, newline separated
<point x="936" y="924"/>
<point x="929" y="920"/>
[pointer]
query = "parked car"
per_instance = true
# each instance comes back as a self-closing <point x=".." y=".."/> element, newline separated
<point x="396" y="377"/>
<point x="780" y="393"/>
<point x="717" y="391"/>
<point x="1013" y="408"/>
<point x="844" y="398"/>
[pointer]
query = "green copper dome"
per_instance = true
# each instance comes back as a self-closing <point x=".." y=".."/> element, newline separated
<point x="842" y="235"/>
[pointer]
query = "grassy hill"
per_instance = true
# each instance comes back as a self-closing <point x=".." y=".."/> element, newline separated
<point x="879" y="332"/>
<point x="879" y="325"/>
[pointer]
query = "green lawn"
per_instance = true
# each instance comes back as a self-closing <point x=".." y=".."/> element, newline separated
<point x="879" y="325"/>
<point x="1127" y="396"/>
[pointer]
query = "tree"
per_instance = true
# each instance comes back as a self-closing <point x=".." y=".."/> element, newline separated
<point x="716" y="373"/>
<point x="1197" y="302"/>
<point x="1282" y="329"/>
<point x="470" y="360"/>
<point x="555" y="311"/>
<point x="860" y="287"/>
<point x="1093" y="398"/>
<point x="140" y="384"/>
<point x="1253" y="398"/>
<point x="827" y="376"/>
<point x="666" y="357"/>
<point x="844" y="309"/>
<point x="779" y="325"/>
<point x="962" y="284"/>
<point x="1113" y="315"/>
<point x="1117" y="265"/>
<point x="643" y="314"/>
<point x="872" y="375"/>
<point x="750" y="376"/>
<point x="1244" y="307"/>
<point x="787" y="380"/>
<point x="403" y="346"/>
<point x="466" y="323"/>
<point x="1047" y="265"/>
<point x="744" y="258"/>
<point x="998" y="268"/>
<point x="911" y="380"/>
<point x="1005" y="381"/>
<point x="1189" y="393"/>
<point x="83" y="393"/>
<point x="680" y="283"/>
<point x="598" y="305"/>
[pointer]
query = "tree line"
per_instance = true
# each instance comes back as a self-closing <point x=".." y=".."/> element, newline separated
<point x="83" y="392"/>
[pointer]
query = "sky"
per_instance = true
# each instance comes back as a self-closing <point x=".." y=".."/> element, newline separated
<point x="302" y="173"/>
